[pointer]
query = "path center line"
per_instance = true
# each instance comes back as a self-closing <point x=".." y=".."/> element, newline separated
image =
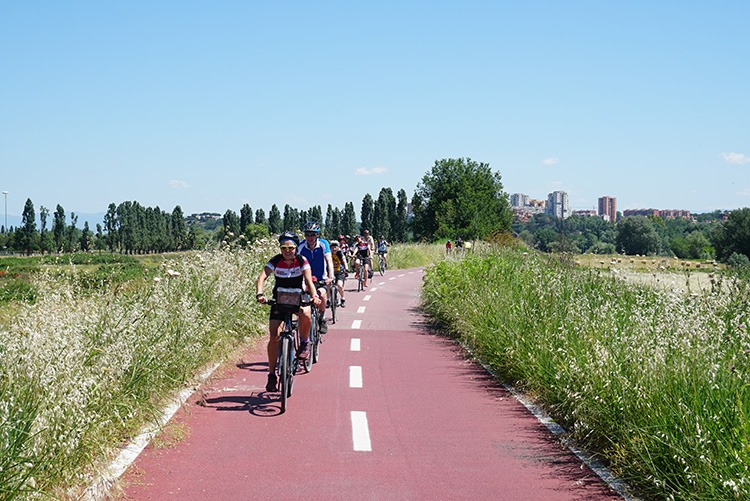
<point x="355" y="344"/>
<point x="355" y="376"/>
<point x="356" y="324"/>
<point x="360" y="432"/>
<point x="366" y="298"/>
<point x="361" y="309"/>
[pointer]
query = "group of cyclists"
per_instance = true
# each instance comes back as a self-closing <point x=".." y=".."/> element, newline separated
<point x="312" y="265"/>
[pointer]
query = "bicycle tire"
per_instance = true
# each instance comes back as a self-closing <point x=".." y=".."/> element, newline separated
<point x="285" y="370"/>
<point x="334" y="299"/>
<point x="313" y="339"/>
<point x="381" y="266"/>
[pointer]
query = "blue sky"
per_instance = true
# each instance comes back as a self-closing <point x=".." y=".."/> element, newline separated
<point x="211" y="105"/>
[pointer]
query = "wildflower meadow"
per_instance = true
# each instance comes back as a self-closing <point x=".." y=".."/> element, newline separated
<point x="82" y="369"/>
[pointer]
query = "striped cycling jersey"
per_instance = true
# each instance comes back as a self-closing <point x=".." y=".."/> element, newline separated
<point x="290" y="275"/>
<point x="363" y="249"/>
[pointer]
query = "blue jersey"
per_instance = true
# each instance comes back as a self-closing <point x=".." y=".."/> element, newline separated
<point x="316" y="257"/>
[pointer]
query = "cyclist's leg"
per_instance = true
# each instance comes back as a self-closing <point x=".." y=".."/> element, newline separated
<point x="367" y="267"/>
<point x="274" y="329"/>
<point x="304" y="321"/>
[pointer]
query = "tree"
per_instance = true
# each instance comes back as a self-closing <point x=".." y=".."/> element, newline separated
<point x="58" y="228"/>
<point x="260" y="218"/>
<point x="179" y="230"/>
<point x="26" y="236"/>
<point x="385" y="207"/>
<point x="274" y="220"/>
<point x="733" y="235"/>
<point x="87" y="238"/>
<point x="110" y="225"/>
<point x="637" y="235"/>
<point x="231" y="224"/>
<point x="366" y="213"/>
<point x="399" y="224"/>
<point x="349" y="220"/>
<point x="246" y="217"/>
<point x="462" y="198"/>
<point x="291" y="218"/>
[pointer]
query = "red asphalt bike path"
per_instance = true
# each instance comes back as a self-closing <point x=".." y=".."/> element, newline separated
<point x="438" y="426"/>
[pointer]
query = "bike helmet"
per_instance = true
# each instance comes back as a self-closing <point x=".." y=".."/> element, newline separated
<point x="334" y="243"/>
<point x="312" y="226"/>
<point x="289" y="235"/>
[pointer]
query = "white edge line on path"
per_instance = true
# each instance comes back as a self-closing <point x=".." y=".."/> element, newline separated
<point x="355" y="376"/>
<point x="130" y="452"/>
<point x="355" y="344"/>
<point x="360" y="432"/>
<point x="356" y="324"/>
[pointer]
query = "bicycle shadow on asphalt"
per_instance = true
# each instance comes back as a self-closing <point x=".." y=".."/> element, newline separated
<point x="261" y="404"/>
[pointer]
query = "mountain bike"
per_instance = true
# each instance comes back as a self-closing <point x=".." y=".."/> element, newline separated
<point x="381" y="264"/>
<point x="288" y="301"/>
<point x="314" y="340"/>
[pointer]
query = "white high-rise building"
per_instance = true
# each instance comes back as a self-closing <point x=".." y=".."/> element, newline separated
<point x="557" y="205"/>
<point x="519" y="200"/>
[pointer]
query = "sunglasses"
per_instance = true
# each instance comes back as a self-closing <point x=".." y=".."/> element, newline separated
<point x="311" y="234"/>
<point x="288" y="247"/>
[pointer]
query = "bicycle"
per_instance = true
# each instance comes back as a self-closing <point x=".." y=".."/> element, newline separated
<point x="334" y="300"/>
<point x="381" y="264"/>
<point x="289" y="302"/>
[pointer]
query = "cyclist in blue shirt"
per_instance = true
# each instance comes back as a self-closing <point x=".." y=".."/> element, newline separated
<point x="318" y="253"/>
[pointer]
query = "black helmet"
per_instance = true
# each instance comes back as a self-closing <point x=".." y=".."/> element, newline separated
<point x="312" y="226"/>
<point x="289" y="235"/>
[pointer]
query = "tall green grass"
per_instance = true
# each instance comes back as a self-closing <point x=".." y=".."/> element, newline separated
<point x="82" y="368"/>
<point x="655" y="383"/>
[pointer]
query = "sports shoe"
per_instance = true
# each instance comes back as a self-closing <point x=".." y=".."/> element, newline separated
<point x="343" y="303"/>
<point x="271" y="384"/>
<point x="323" y="325"/>
<point x="304" y="350"/>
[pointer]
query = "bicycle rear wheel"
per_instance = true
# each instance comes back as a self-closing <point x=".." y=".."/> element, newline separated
<point x="381" y="266"/>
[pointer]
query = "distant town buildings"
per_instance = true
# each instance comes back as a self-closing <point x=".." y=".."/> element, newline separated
<point x="664" y="214"/>
<point x="557" y="205"/>
<point x="608" y="208"/>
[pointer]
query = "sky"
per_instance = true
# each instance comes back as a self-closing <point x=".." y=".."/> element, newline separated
<point x="213" y="105"/>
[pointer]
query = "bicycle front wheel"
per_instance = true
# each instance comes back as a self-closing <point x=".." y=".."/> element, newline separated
<point x="334" y="300"/>
<point x="381" y="265"/>
<point x="286" y="370"/>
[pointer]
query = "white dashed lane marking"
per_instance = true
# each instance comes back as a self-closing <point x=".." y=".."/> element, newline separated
<point x="355" y="344"/>
<point x="356" y="324"/>
<point x="355" y="376"/>
<point x="360" y="432"/>
<point x="366" y="298"/>
<point x="361" y="309"/>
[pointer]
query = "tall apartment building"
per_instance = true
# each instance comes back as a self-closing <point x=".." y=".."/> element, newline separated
<point x="608" y="208"/>
<point x="557" y="205"/>
<point x="519" y="200"/>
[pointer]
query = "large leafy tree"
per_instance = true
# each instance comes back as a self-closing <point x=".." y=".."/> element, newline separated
<point x="58" y="228"/>
<point x="637" y="235"/>
<point x="385" y="208"/>
<point x="246" y="217"/>
<point x="733" y="235"/>
<point x="461" y="198"/>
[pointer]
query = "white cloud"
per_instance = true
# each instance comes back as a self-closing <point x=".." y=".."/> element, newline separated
<point x="551" y="161"/>
<point x="736" y="158"/>
<point x="178" y="185"/>
<point x="365" y="171"/>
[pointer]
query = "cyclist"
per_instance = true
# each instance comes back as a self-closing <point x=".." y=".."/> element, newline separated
<point x="344" y="243"/>
<point x="339" y="269"/>
<point x="318" y="253"/>
<point x="362" y="250"/>
<point x="290" y="270"/>
<point x="368" y="238"/>
<point x="383" y="249"/>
